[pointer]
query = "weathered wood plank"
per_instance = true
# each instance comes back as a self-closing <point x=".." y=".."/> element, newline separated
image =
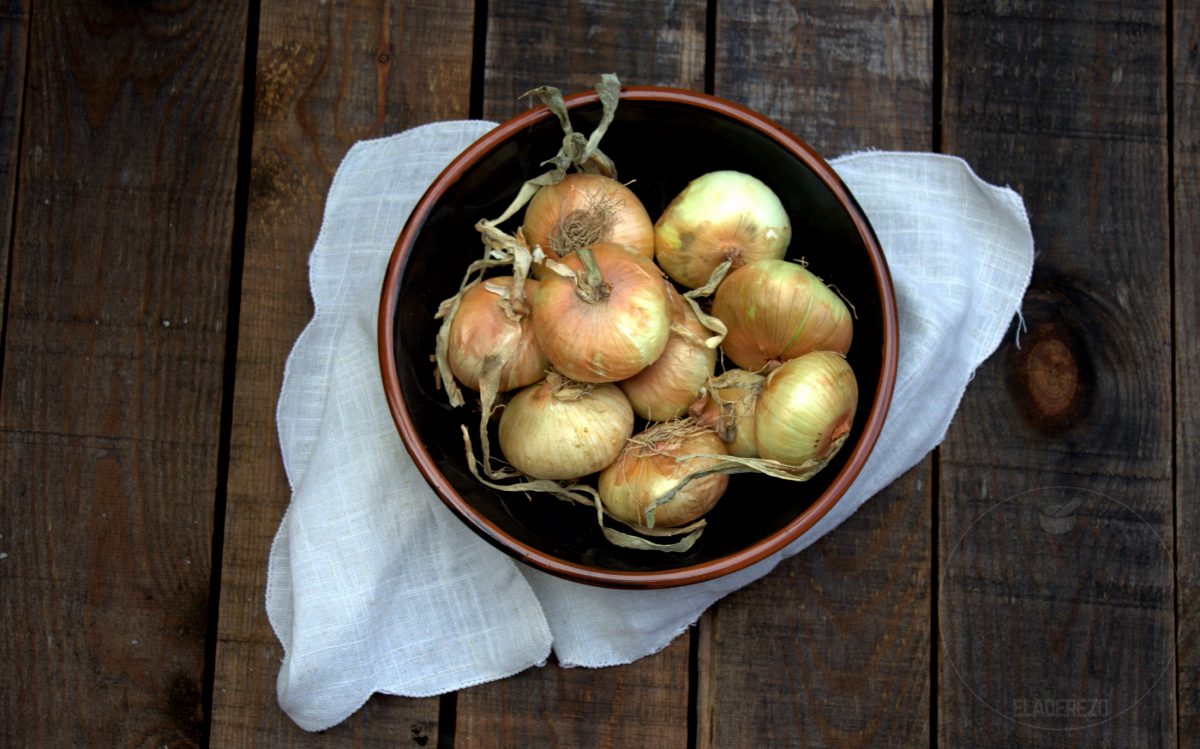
<point x="1186" y="61"/>
<point x="644" y="702"/>
<point x="14" y="43"/>
<point x="569" y="45"/>
<point x="328" y="75"/>
<point x="831" y="649"/>
<point x="842" y="76"/>
<point x="110" y="410"/>
<point x="1056" y="612"/>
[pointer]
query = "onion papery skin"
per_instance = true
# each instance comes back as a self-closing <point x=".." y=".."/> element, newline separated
<point x="728" y="409"/>
<point x="665" y="389"/>
<point x="611" y="339"/>
<point x="482" y="328"/>
<point x="806" y="409"/>
<point x="777" y="310"/>
<point x="561" y="430"/>
<point x="723" y="215"/>
<point x="647" y="469"/>
<point x="586" y="209"/>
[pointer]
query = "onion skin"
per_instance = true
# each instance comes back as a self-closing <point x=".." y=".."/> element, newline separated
<point x="723" y="215"/>
<point x="481" y="328"/>
<point x="562" y="430"/>
<point x="647" y="469"/>
<point x="665" y="389"/>
<point x="728" y="410"/>
<point x="585" y="209"/>
<point x="611" y="339"/>
<point x="806" y="409"/>
<point x="778" y="310"/>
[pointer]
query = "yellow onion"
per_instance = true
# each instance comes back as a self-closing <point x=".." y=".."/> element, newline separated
<point x="728" y="409"/>
<point x="482" y="328"/>
<point x="648" y="469"/>
<point x="777" y="310"/>
<point x="610" y="321"/>
<point x="665" y="389"/>
<point x="585" y="209"/>
<point x="560" y="429"/>
<point x="806" y="408"/>
<point x="720" y="216"/>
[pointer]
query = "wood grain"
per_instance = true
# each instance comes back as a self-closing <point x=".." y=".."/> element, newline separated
<point x="14" y="44"/>
<point x="327" y="75"/>
<point x="842" y="76"/>
<point x="1056" y="609"/>
<point x="569" y="45"/>
<point x="109" y="415"/>
<point x="832" y="648"/>
<point x="580" y="708"/>
<point x="1186" y="146"/>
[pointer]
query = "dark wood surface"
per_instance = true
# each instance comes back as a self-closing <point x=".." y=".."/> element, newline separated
<point x="1185" y="225"/>
<point x="1050" y="592"/>
<point x="163" y="169"/>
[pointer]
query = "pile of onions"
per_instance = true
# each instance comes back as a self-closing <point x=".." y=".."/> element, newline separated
<point x="586" y="209"/>
<point x="560" y="430"/>
<point x="600" y="343"/>
<point x="654" y="483"/>
<point x="608" y="319"/>
<point x="719" y="216"/>
<point x="776" y="310"/>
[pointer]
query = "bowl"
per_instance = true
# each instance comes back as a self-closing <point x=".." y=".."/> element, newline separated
<point x="660" y="139"/>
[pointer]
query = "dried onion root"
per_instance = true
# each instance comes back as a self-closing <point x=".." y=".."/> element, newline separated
<point x="586" y="209"/>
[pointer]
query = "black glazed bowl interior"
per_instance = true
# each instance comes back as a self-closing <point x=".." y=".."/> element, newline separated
<point x="659" y="140"/>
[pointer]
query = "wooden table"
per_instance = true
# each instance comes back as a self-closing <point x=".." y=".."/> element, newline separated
<point x="164" y="166"/>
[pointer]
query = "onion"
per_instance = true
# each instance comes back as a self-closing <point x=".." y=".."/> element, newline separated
<point x="776" y="310"/>
<point x="806" y="409"/>
<point x="728" y="409"/>
<point x="607" y="323"/>
<point x="482" y="327"/>
<point x="649" y="469"/>
<point x="585" y="209"/>
<point x="720" y="216"/>
<point x="559" y="429"/>
<point x="666" y="388"/>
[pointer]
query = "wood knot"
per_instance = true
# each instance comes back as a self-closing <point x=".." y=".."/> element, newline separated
<point x="1052" y="375"/>
<point x="1049" y="377"/>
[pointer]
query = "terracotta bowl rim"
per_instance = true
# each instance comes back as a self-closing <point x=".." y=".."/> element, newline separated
<point x="582" y="573"/>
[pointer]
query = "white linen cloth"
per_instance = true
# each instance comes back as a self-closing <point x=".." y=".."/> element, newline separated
<point x="374" y="586"/>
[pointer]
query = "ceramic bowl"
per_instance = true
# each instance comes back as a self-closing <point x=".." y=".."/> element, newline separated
<point x="660" y="139"/>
